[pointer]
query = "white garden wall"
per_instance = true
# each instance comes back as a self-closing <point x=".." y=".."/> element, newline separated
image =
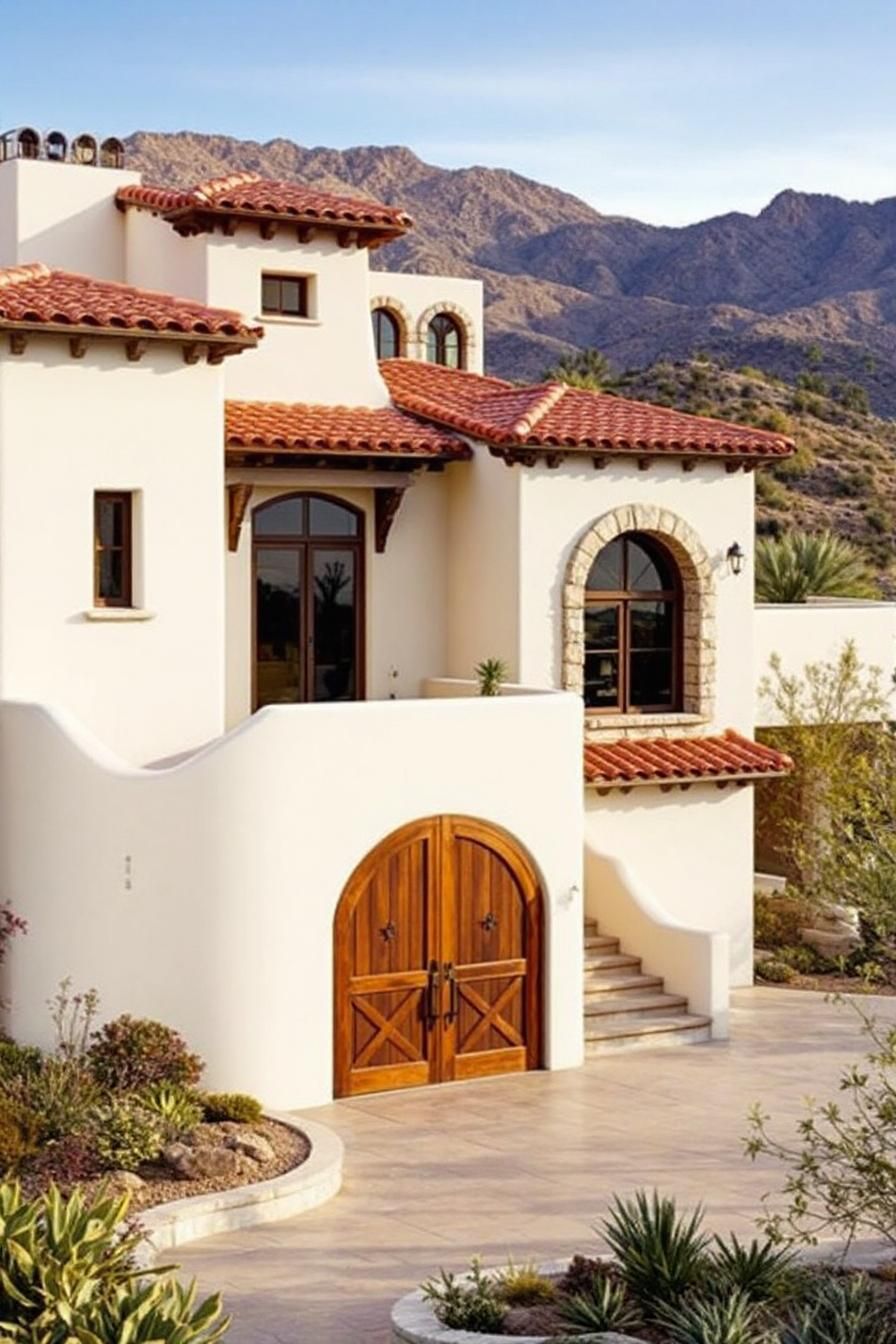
<point x="204" y="894"/>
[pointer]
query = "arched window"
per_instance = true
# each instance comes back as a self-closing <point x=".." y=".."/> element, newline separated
<point x="386" y="334"/>
<point x="308" y="553"/>
<point x="444" y="342"/>
<point x="633" y="628"/>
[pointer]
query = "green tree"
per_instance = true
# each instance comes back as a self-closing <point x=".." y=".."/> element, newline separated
<point x="799" y="565"/>
<point x="586" y="368"/>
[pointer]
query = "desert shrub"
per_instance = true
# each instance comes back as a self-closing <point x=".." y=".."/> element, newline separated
<point x="771" y="492"/>
<point x="19" y="1132"/>
<point x="661" y="1254"/>
<point x="132" y="1053"/>
<point x="62" y="1093"/>
<point x="125" y="1134"/>
<point x="797" y="465"/>
<point x="761" y="1271"/>
<point x="605" y="1307"/>
<point x="729" y="1319"/>
<point x="841" y="1166"/>
<point x="66" y="1162"/>
<point x="470" y="1303"/>
<point x="774" y="971"/>
<point x="799" y="565"/>
<point x="177" y="1110"/>
<point x="841" y="1310"/>
<point x="525" y="1286"/>
<point x="68" y="1273"/>
<point x="236" y="1106"/>
<point x="16" y="1060"/>
<point x="580" y="1274"/>
<point x="777" y="920"/>
<point x="803" y="959"/>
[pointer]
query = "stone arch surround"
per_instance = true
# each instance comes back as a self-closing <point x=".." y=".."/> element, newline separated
<point x="403" y="316"/>
<point x="460" y="315"/>
<point x="698" y="597"/>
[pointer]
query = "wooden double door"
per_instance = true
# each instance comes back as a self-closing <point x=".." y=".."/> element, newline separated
<point x="438" y="950"/>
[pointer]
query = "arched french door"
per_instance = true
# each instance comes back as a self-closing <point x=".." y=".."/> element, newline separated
<point x="437" y="959"/>
<point x="308" y="576"/>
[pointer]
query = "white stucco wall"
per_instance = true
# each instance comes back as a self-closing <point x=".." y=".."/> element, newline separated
<point x="204" y="895"/>
<point x="158" y="258"/>
<point x="70" y="427"/>
<point x="557" y="505"/>
<point x="691" y="853"/>
<point x="63" y="214"/>
<point x="816" y="632"/>
<point x="415" y="298"/>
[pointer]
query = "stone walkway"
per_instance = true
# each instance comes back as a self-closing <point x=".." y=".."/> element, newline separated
<point x="524" y="1166"/>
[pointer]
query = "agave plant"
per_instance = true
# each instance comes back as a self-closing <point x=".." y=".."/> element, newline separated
<point x="661" y="1254"/>
<point x="841" y="1310"/>
<point x="760" y="1270"/>
<point x="606" y="1307"/>
<point x="491" y="673"/>
<point x="800" y="565"/>
<point x="730" y="1319"/>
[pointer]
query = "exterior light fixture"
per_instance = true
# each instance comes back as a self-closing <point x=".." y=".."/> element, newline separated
<point x="735" y="557"/>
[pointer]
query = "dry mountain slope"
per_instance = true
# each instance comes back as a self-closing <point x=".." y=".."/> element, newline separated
<point x="752" y="289"/>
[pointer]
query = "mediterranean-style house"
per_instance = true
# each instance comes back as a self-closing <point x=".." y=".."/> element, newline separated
<point x="261" y="517"/>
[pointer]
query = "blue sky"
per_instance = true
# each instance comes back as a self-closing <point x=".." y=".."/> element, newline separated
<point x="669" y="110"/>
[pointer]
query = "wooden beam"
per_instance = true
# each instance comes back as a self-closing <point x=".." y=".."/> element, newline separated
<point x="77" y="346"/>
<point x="732" y="466"/>
<point x="645" y="463"/>
<point x="598" y="463"/>
<point x="228" y="226"/>
<point x="554" y="459"/>
<point x="19" y="331"/>
<point x="304" y="233"/>
<point x="192" y="352"/>
<point x="347" y="237"/>
<point x="688" y="464"/>
<point x="267" y="228"/>
<point x="135" y="349"/>
<point x="386" y="504"/>
<point x="17" y="342"/>
<point x="238" y="496"/>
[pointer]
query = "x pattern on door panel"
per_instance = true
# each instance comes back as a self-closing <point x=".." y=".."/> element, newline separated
<point x="437" y="959"/>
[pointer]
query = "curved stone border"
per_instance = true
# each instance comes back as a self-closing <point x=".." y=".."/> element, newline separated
<point x="415" y="1322"/>
<point x="318" y="1179"/>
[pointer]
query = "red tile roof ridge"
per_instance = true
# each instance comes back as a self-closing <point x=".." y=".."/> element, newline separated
<point x="551" y="394"/>
<point x="219" y="186"/>
<point x="18" y="275"/>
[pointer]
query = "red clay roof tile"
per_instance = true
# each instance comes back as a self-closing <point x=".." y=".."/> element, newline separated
<point x="59" y="300"/>
<point x="680" y="760"/>
<point x="362" y="430"/>
<point x="251" y="194"/>
<point x="556" y="417"/>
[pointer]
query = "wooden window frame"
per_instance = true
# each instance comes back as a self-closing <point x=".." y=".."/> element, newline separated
<point x="624" y="598"/>
<point x="126" y="499"/>
<point x="439" y="338"/>
<point x="307" y="540"/>
<point x="390" y="316"/>
<point x="278" y="278"/>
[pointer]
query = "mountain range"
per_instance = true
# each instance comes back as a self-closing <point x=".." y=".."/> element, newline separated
<point x="808" y="273"/>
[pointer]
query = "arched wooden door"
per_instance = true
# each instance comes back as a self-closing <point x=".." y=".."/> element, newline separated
<point x="438" y="951"/>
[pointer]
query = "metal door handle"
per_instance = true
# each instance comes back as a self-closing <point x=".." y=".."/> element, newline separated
<point x="432" y="995"/>
<point x="454" y="999"/>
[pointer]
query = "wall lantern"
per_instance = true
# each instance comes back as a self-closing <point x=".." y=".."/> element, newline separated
<point x="735" y="557"/>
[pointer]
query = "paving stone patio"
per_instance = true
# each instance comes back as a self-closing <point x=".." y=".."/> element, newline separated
<point x="524" y="1165"/>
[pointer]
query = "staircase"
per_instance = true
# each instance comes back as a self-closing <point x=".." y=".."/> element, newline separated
<point x="627" y="1010"/>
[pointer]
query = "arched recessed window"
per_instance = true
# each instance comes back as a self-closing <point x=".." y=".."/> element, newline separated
<point x="444" y="342"/>
<point x="386" y="333"/>
<point x="308" y="553"/>
<point x="633" y="628"/>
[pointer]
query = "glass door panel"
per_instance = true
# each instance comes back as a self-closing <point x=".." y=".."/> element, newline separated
<point x="334" y="643"/>
<point x="279" y="644"/>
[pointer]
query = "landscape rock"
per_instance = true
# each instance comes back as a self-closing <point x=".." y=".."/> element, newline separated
<point x="829" y="944"/>
<point x="124" y="1183"/>
<point x="205" y="1162"/>
<point x="252" y="1145"/>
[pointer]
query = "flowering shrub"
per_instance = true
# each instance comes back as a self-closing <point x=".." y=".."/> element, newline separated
<point x="132" y="1053"/>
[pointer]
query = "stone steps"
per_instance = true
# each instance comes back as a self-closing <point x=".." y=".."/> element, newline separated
<point x="627" y="1010"/>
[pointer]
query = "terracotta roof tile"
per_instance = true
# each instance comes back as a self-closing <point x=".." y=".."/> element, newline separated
<point x="59" y="300"/>
<point x="363" y="430"/>
<point x="251" y="194"/>
<point x="681" y="759"/>
<point x="554" y="416"/>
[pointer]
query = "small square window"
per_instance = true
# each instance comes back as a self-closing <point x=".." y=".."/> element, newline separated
<point x="112" y="553"/>
<point x="285" y="295"/>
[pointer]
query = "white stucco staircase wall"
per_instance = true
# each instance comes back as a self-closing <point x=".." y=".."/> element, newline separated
<point x="204" y="894"/>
